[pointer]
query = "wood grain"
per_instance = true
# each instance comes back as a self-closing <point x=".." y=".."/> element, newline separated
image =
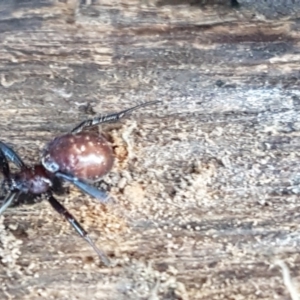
<point x="207" y="183"/>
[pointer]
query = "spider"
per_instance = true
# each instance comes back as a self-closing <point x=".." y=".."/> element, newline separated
<point x="79" y="157"/>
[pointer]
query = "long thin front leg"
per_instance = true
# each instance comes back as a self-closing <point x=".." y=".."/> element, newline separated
<point x="63" y="211"/>
<point x="11" y="155"/>
<point x="109" y="118"/>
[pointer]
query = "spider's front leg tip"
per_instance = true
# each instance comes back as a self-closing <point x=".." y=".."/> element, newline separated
<point x="106" y="261"/>
<point x="100" y="253"/>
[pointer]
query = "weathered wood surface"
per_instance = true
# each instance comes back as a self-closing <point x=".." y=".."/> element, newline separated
<point x="207" y="184"/>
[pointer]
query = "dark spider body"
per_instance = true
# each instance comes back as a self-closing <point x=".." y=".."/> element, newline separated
<point x="79" y="157"/>
<point x="86" y="155"/>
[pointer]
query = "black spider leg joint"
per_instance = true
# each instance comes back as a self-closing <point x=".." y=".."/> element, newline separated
<point x="11" y="155"/>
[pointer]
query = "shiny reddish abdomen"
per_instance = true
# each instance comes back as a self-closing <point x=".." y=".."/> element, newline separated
<point x="85" y="155"/>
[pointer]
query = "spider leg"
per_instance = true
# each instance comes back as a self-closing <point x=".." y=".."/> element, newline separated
<point x="85" y="187"/>
<point x="4" y="167"/>
<point x="5" y="152"/>
<point x="63" y="211"/>
<point x="8" y="200"/>
<point x="11" y="155"/>
<point x="109" y="118"/>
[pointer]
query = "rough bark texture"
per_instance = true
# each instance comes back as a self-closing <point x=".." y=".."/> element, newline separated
<point x="207" y="183"/>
